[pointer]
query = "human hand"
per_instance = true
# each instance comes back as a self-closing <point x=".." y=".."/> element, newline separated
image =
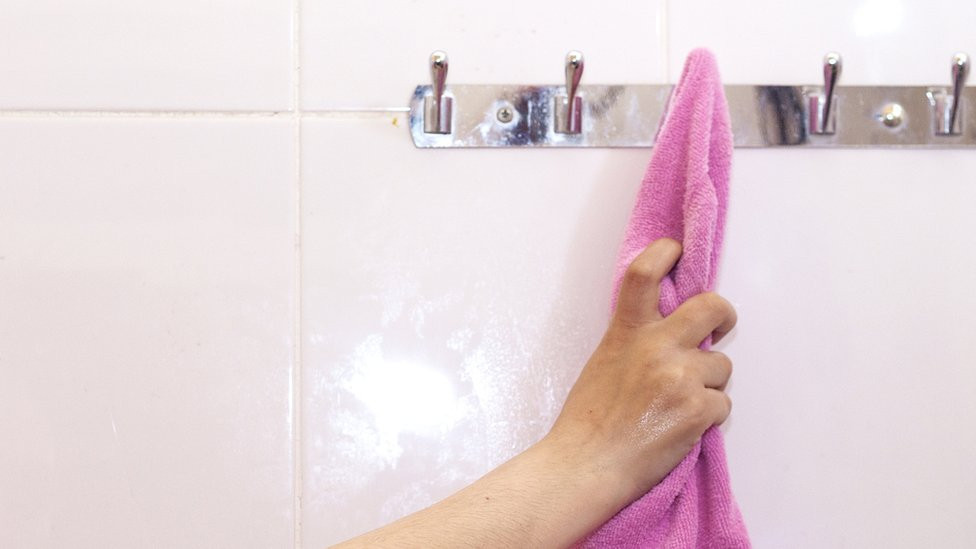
<point x="642" y="401"/>
<point x="648" y="393"/>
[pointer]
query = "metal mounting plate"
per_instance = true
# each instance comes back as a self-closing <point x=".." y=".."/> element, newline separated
<point x="628" y="116"/>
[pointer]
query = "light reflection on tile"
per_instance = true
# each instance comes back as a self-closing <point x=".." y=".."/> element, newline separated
<point x="445" y="315"/>
<point x="403" y="397"/>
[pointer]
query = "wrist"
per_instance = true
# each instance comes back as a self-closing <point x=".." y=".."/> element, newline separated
<point x="592" y="478"/>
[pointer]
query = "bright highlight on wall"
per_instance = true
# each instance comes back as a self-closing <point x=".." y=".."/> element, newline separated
<point x="405" y="397"/>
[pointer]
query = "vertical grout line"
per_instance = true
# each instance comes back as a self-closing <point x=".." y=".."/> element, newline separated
<point x="296" y="389"/>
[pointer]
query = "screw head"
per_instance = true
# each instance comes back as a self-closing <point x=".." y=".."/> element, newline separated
<point x="504" y="115"/>
<point x="892" y="115"/>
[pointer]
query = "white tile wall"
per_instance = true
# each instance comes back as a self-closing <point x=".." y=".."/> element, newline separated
<point x="371" y="54"/>
<point x="169" y="377"/>
<point x="854" y="388"/>
<point x="147" y="288"/>
<point x="885" y="42"/>
<point x="143" y="54"/>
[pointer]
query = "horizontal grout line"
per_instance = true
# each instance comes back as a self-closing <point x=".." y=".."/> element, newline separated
<point x="337" y="113"/>
<point x="355" y="113"/>
<point x="142" y="114"/>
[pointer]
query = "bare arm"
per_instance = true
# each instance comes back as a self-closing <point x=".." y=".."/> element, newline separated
<point x="641" y="402"/>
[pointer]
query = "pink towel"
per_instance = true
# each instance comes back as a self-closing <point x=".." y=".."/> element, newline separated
<point x="684" y="195"/>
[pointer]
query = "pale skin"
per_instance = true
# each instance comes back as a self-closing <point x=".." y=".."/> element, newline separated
<point x="642" y="401"/>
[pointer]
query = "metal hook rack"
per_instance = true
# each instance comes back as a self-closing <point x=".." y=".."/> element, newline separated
<point x="574" y="115"/>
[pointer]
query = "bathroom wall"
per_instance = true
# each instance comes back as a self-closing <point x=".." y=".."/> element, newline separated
<point x="239" y="309"/>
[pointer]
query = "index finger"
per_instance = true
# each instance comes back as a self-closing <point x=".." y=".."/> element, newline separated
<point x="640" y="289"/>
<point x="700" y="316"/>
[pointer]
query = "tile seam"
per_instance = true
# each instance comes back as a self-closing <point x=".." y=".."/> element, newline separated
<point x="297" y="389"/>
<point x="284" y="115"/>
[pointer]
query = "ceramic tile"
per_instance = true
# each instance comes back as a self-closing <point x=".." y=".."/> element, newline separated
<point x="885" y="42"/>
<point x="449" y="300"/>
<point x="854" y="387"/>
<point x="373" y="54"/>
<point x="124" y="54"/>
<point x="146" y="282"/>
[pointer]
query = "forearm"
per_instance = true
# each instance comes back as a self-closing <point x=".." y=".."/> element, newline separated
<point x="641" y="402"/>
<point x="547" y="496"/>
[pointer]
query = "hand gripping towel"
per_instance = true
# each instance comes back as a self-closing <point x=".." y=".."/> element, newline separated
<point x="684" y="196"/>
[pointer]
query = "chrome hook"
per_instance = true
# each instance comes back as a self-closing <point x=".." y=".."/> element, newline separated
<point x="960" y="72"/>
<point x="822" y="106"/>
<point x="948" y="118"/>
<point x="437" y="107"/>
<point x="569" y="108"/>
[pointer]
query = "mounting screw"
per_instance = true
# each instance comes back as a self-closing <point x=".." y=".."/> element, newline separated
<point x="892" y="114"/>
<point x="504" y="115"/>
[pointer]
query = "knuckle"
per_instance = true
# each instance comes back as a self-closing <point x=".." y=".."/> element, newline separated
<point x="714" y="307"/>
<point x="659" y="338"/>
<point x="665" y="244"/>
<point x="724" y="361"/>
<point x="711" y="301"/>
<point x="671" y="378"/>
<point x="640" y="271"/>
<point x="726" y="408"/>
<point x="697" y="305"/>
<point x="656" y="352"/>
<point x="674" y="385"/>
<point x="696" y="410"/>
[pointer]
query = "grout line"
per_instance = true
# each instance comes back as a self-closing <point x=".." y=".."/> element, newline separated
<point x="15" y="113"/>
<point x="291" y="114"/>
<point x="355" y="113"/>
<point x="297" y="389"/>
